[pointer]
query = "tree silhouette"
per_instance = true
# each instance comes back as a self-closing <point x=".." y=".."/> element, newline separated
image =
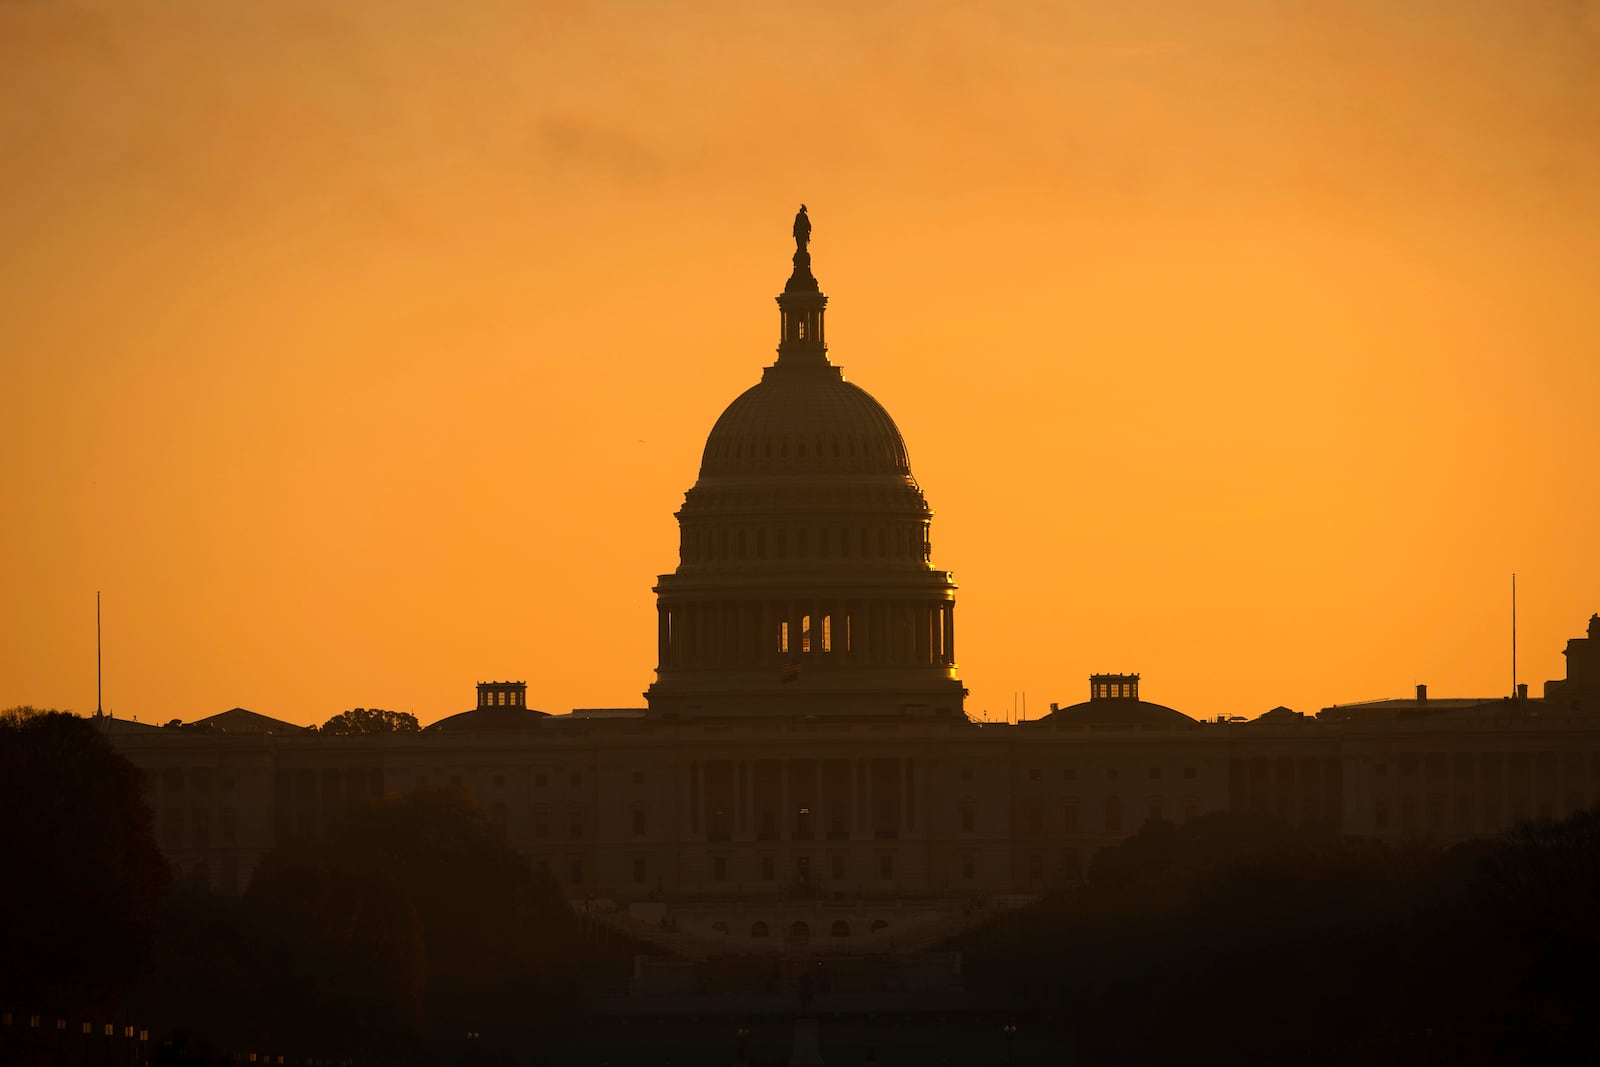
<point x="498" y="942"/>
<point x="371" y="721"/>
<point x="84" y="878"/>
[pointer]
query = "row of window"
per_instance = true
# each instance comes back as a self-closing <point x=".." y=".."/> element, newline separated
<point x="1070" y="774"/>
<point x="1471" y="813"/>
<point x="836" y="448"/>
<point x="1033" y="819"/>
<point x="175" y="830"/>
<point x="799" y="930"/>
<point x="174" y="779"/>
<point x="892" y="542"/>
<point x="1468" y="765"/>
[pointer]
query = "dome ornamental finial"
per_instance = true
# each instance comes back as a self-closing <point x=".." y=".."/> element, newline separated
<point x="801" y="305"/>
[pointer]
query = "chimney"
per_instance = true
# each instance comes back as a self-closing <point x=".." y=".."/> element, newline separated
<point x="1522" y="691"/>
<point x="1422" y="693"/>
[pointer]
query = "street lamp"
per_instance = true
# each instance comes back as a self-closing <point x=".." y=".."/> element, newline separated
<point x="742" y="1057"/>
<point x="1010" y="1030"/>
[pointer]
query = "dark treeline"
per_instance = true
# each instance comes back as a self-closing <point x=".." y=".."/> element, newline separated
<point x="412" y="935"/>
<point x="1229" y="939"/>
<point x="1235" y="939"/>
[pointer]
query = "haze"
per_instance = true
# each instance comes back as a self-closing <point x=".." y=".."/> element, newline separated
<point x="362" y="353"/>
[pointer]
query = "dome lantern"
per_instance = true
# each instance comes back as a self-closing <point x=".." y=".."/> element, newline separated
<point x="801" y="306"/>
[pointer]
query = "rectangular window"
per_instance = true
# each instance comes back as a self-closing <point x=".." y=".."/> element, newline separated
<point x="638" y="869"/>
<point x="836" y="867"/>
<point x="638" y="822"/>
<point x="230" y="825"/>
<point x="1069" y="818"/>
<point x="968" y="867"/>
<point x="1188" y="772"/>
<point x="769" y="868"/>
<point x="886" y="866"/>
<point x="719" y="869"/>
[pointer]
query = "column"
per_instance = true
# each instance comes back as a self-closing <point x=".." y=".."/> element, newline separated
<point x="696" y="798"/>
<point x="866" y="790"/>
<point x="741" y="791"/>
<point x="908" y="821"/>
<point x="854" y="822"/>
<point x="819" y="803"/>
<point x="783" y="800"/>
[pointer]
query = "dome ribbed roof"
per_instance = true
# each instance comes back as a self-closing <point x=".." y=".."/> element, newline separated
<point x="803" y="420"/>
<point x="1117" y="711"/>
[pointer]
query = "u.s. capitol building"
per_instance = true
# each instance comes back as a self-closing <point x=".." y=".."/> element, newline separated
<point x="804" y="777"/>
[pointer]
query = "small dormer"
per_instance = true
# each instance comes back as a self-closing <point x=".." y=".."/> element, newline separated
<point x="502" y="694"/>
<point x="1113" y="687"/>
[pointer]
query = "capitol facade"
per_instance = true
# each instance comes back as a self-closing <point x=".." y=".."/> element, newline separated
<point x="804" y="778"/>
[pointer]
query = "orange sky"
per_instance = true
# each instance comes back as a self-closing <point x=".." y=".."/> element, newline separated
<point x="361" y="352"/>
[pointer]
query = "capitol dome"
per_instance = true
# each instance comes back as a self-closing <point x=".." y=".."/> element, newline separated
<point x="804" y="582"/>
<point x="802" y="420"/>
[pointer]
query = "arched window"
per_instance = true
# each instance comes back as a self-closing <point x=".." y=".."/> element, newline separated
<point x="758" y="929"/>
<point x="799" y="933"/>
<point x="720" y="927"/>
<point x="879" y="924"/>
<point x="840" y="928"/>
